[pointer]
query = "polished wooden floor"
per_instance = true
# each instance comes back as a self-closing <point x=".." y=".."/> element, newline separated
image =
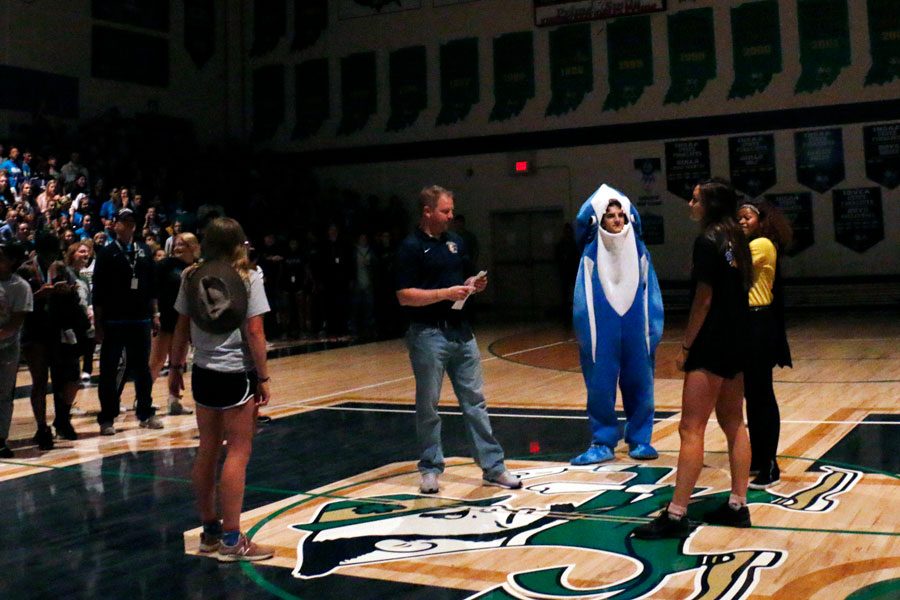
<point x="333" y="486"/>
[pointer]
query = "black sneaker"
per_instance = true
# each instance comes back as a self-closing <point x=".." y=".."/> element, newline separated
<point x="66" y="431"/>
<point x="44" y="438"/>
<point x="766" y="477"/>
<point x="6" y="451"/>
<point x="727" y="516"/>
<point x="665" y="526"/>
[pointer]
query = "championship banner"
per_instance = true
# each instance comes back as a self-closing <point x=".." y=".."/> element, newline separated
<point x="820" y="158"/>
<point x="571" y="68"/>
<point x="648" y="170"/>
<point x="200" y="30"/>
<point x="268" y="101"/>
<point x="756" y="39"/>
<point x="563" y="12"/>
<point x="824" y="42"/>
<point x="310" y="20"/>
<point x="513" y="74"/>
<point x="884" y="41"/>
<point x="312" y="100"/>
<point x="752" y="160"/>
<point x="350" y="9"/>
<point x="358" y="91"/>
<point x="630" y="57"/>
<point x="269" y="18"/>
<point x="459" y="80"/>
<point x="882" y="148"/>
<point x="692" y="54"/>
<point x="858" y="218"/>
<point x="653" y="230"/>
<point x="797" y="208"/>
<point x="409" y="92"/>
<point x="687" y="164"/>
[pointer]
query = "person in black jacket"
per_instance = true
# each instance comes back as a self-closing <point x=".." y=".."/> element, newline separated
<point x="125" y="314"/>
<point x="50" y="339"/>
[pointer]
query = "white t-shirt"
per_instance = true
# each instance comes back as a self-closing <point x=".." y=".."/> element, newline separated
<point x="225" y="352"/>
<point x="15" y="296"/>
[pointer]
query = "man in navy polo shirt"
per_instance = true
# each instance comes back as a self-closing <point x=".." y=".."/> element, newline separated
<point x="434" y="273"/>
<point x="125" y="314"/>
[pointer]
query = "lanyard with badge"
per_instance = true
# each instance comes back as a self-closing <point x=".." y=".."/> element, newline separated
<point x="132" y="262"/>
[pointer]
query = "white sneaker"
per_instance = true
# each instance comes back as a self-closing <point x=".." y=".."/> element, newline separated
<point x="429" y="483"/>
<point x="153" y="422"/>
<point x="505" y="480"/>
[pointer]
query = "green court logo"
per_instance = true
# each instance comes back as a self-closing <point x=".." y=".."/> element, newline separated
<point x="618" y="498"/>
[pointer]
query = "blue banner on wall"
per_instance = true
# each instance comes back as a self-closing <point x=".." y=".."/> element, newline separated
<point x="820" y="158"/>
<point x="858" y="218"/>
<point x="687" y="164"/>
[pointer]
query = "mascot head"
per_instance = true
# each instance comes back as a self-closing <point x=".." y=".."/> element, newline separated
<point x="607" y="230"/>
<point x="592" y="213"/>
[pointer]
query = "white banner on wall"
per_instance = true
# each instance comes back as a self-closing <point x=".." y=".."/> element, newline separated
<point x="559" y="12"/>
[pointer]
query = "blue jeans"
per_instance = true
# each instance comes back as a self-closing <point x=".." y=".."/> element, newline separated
<point x="431" y="355"/>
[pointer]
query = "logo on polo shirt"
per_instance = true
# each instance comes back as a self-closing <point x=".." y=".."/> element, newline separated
<point x="452" y="247"/>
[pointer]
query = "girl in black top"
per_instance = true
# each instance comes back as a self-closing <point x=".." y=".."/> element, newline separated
<point x="186" y="251"/>
<point x="712" y="357"/>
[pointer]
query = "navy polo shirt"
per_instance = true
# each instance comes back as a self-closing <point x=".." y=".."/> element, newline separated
<point x="112" y="289"/>
<point x="430" y="263"/>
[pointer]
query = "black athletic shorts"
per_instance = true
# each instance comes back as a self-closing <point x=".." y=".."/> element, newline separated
<point x="216" y="389"/>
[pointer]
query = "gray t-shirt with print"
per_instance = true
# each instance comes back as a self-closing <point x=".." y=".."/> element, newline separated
<point x="226" y="352"/>
<point x="15" y="296"/>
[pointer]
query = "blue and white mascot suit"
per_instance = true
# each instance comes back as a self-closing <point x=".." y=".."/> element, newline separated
<point x="618" y="320"/>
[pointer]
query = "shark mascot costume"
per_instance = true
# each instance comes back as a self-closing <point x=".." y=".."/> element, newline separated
<point x="618" y="320"/>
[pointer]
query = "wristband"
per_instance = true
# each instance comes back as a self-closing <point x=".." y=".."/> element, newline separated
<point x="156" y="315"/>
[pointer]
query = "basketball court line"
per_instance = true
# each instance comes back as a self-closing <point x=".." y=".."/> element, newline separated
<point x="581" y="417"/>
<point x="135" y="435"/>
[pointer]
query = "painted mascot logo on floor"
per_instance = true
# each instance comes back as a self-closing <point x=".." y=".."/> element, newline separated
<point x="403" y="526"/>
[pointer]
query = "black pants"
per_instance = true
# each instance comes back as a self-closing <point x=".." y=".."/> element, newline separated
<point x="87" y="356"/>
<point x="763" y="416"/>
<point x="134" y="339"/>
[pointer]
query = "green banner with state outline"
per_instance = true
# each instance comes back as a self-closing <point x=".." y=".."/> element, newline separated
<point x="629" y="49"/>
<point x="513" y="74"/>
<point x="571" y="68"/>
<point x="310" y="20"/>
<point x="824" y="28"/>
<point x="460" y="83"/>
<point x="884" y="41"/>
<point x="756" y="47"/>
<point x="409" y="90"/>
<point x="692" y="54"/>
<point x="359" y="91"/>
<point x="312" y="99"/>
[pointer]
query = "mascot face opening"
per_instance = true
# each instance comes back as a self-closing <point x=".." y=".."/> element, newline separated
<point x="614" y="219"/>
<point x="611" y="247"/>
